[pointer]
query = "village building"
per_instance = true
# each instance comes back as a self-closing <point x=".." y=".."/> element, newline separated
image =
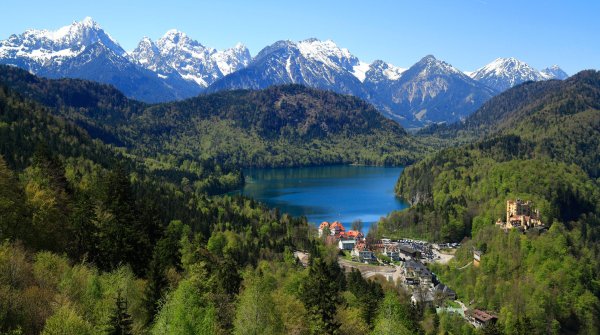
<point x="415" y="273"/>
<point x="479" y="318"/>
<point x="336" y="232"/>
<point x="521" y="215"/>
<point x="442" y="292"/>
<point x="346" y="244"/>
<point x="362" y="254"/>
<point x="476" y="257"/>
<point x="424" y="297"/>
<point x="392" y="252"/>
<point x="408" y="252"/>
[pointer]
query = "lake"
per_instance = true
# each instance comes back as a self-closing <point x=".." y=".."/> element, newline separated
<point x="327" y="193"/>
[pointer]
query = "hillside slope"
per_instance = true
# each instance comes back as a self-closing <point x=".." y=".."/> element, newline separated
<point x="541" y="143"/>
<point x="280" y="126"/>
<point x="550" y="124"/>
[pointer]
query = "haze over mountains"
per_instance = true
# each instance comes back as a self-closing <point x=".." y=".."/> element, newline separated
<point x="176" y="67"/>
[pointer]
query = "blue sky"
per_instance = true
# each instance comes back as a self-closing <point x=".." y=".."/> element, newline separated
<point x="465" y="33"/>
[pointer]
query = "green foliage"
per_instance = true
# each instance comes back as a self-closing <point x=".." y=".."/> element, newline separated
<point x="252" y="317"/>
<point x="320" y="295"/>
<point x="12" y="200"/>
<point x="120" y="322"/>
<point x="368" y="293"/>
<point x="188" y="310"/>
<point x="66" y="321"/>
<point x="533" y="281"/>
<point x="201" y="143"/>
<point x="393" y="317"/>
<point x="44" y="292"/>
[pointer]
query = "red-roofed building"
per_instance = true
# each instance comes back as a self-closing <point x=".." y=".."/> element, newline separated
<point x="336" y="228"/>
<point x="479" y="318"/>
<point x="354" y="234"/>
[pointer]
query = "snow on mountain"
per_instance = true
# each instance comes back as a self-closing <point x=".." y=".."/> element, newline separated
<point x="433" y="91"/>
<point x="379" y="71"/>
<point x="554" y="72"/>
<point x="35" y="49"/>
<point x="430" y="91"/>
<point x="360" y="70"/>
<point x="177" y="52"/>
<point x="504" y="73"/>
<point x="176" y="66"/>
<point x="328" y="53"/>
<point x="311" y="62"/>
<point x="233" y="59"/>
<point x="84" y="50"/>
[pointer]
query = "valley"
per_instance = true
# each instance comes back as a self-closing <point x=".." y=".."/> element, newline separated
<point x="164" y="186"/>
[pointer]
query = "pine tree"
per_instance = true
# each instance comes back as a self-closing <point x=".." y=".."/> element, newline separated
<point x="125" y="230"/>
<point x="121" y="321"/>
<point x="157" y="282"/>
<point x="320" y="294"/>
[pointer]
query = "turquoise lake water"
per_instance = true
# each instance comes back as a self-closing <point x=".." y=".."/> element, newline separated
<point x="328" y="193"/>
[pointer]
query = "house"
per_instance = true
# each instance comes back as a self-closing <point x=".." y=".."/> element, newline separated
<point x="442" y="292"/>
<point x="392" y="252"/>
<point x="479" y="318"/>
<point x="367" y="256"/>
<point x="476" y="257"/>
<point x="346" y="244"/>
<point x="424" y="297"/>
<point x="354" y="234"/>
<point x="323" y="227"/>
<point x="417" y="273"/>
<point x="408" y="252"/>
<point x="336" y="228"/>
<point x="362" y="254"/>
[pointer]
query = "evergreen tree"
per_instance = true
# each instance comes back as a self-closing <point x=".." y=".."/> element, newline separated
<point x="154" y="291"/>
<point x="13" y="222"/>
<point x="320" y="295"/>
<point x="125" y="235"/>
<point x="120" y="322"/>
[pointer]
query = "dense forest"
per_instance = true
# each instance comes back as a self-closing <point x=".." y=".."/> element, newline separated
<point x="540" y="142"/>
<point x="98" y="236"/>
<point x="281" y="126"/>
<point x="110" y="222"/>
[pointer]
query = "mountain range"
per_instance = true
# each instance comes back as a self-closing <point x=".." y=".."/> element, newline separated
<point x="175" y="67"/>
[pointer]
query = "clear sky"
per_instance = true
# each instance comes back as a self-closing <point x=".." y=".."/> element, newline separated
<point x="466" y="33"/>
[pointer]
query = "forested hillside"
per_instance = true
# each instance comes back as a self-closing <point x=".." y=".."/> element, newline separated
<point x="280" y="126"/>
<point x="537" y="149"/>
<point x="541" y="142"/>
<point x="100" y="236"/>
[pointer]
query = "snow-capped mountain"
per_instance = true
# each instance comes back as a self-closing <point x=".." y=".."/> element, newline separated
<point x="554" y="72"/>
<point x="84" y="50"/>
<point x="35" y="49"/>
<point x="504" y="73"/>
<point x="176" y="66"/>
<point x="435" y="91"/>
<point x="314" y="63"/>
<point x="175" y="52"/>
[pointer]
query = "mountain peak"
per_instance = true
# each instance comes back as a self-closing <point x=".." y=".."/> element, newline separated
<point x="504" y="73"/>
<point x="174" y="35"/>
<point x="311" y="40"/>
<point x="431" y="65"/>
<point x="240" y="46"/>
<point x="554" y="72"/>
<point x="88" y="22"/>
